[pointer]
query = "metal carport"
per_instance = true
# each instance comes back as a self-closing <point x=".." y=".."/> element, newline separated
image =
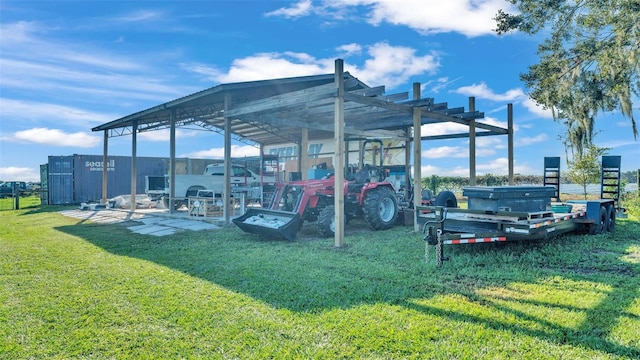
<point x="299" y="109"/>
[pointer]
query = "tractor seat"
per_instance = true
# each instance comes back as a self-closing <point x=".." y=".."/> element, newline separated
<point x="353" y="188"/>
<point x="362" y="176"/>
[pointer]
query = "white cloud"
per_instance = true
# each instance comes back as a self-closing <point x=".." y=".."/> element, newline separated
<point x="433" y="170"/>
<point x="490" y="141"/>
<point x="22" y="40"/>
<point x="349" y="49"/>
<point x="394" y="65"/>
<point x="218" y="153"/>
<point x="302" y="8"/>
<point x="500" y="166"/>
<point x="531" y="140"/>
<point x="443" y="129"/>
<point x="536" y="109"/>
<point x="13" y="173"/>
<point x="388" y="65"/>
<point x="482" y="91"/>
<point x="435" y="86"/>
<point x="275" y="65"/>
<point x="163" y="135"/>
<point x="55" y="137"/>
<point x="445" y="152"/>
<point x="139" y="16"/>
<point x="468" y="17"/>
<point x="34" y="61"/>
<point x="13" y="110"/>
<point x="612" y="144"/>
<point x="429" y="170"/>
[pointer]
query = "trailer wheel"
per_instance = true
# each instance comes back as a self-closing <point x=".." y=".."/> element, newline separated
<point x="611" y="218"/>
<point x="380" y="208"/>
<point x="327" y="221"/>
<point x="603" y="219"/>
<point x="446" y="199"/>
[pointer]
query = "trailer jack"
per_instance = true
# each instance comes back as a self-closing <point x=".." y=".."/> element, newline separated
<point x="436" y="241"/>
<point x="432" y="239"/>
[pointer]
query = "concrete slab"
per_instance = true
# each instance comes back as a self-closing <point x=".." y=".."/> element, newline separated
<point x="197" y="226"/>
<point x="167" y="231"/>
<point x="151" y="225"/>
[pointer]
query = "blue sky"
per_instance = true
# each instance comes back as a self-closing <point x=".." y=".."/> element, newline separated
<point x="67" y="66"/>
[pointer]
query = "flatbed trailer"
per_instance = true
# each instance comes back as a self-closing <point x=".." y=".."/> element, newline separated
<point x="454" y="226"/>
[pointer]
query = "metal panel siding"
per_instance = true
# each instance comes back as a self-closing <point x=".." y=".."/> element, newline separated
<point x="60" y="180"/>
<point x="78" y="178"/>
<point x="88" y="175"/>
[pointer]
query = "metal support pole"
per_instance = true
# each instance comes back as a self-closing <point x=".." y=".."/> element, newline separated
<point x="417" y="154"/>
<point x="134" y="163"/>
<point x="510" y="140"/>
<point x="105" y="148"/>
<point x="472" y="143"/>
<point x="303" y="159"/>
<point x="172" y="160"/>
<point x="226" y="194"/>
<point x="338" y="158"/>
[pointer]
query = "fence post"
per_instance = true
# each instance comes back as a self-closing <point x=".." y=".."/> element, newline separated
<point x="16" y="194"/>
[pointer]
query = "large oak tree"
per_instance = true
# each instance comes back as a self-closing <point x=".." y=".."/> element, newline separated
<point x="589" y="61"/>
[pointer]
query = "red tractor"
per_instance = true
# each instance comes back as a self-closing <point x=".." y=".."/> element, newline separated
<point x="313" y="200"/>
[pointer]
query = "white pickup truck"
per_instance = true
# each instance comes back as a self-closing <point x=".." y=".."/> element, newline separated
<point x="157" y="187"/>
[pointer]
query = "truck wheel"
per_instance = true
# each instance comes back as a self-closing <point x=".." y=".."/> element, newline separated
<point x="177" y="204"/>
<point x="380" y="208"/>
<point x="165" y="202"/>
<point x="327" y="221"/>
<point x="446" y="199"/>
<point x="611" y="218"/>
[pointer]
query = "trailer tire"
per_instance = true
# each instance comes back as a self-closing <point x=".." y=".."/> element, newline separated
<point x="446" y="199"/>
<point x="611" y="218"/>
<point x="327" y="221"/>
<point x="380" y="208"/>
<point x="603" y="219"/>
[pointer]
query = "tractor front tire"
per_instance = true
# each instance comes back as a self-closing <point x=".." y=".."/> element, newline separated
<point x="380" y="208"/>
<point x="326" y="224"/>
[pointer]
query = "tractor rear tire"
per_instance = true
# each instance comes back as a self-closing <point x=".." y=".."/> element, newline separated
<point x="380" y="208"/>
<point x="327" y="221"/>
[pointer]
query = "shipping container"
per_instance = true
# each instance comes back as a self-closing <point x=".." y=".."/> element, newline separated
<point x="77" y="178"/>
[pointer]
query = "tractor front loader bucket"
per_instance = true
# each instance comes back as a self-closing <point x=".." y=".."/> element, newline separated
<point x="270" y="223"/>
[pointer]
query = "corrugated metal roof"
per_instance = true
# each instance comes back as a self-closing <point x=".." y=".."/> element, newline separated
<point x="274" y="111"/>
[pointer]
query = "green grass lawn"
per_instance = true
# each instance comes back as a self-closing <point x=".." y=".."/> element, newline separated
<point x="74" y="289"/>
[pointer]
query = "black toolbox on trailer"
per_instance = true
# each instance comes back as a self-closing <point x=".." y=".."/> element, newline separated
<point x="509" y="198"/>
